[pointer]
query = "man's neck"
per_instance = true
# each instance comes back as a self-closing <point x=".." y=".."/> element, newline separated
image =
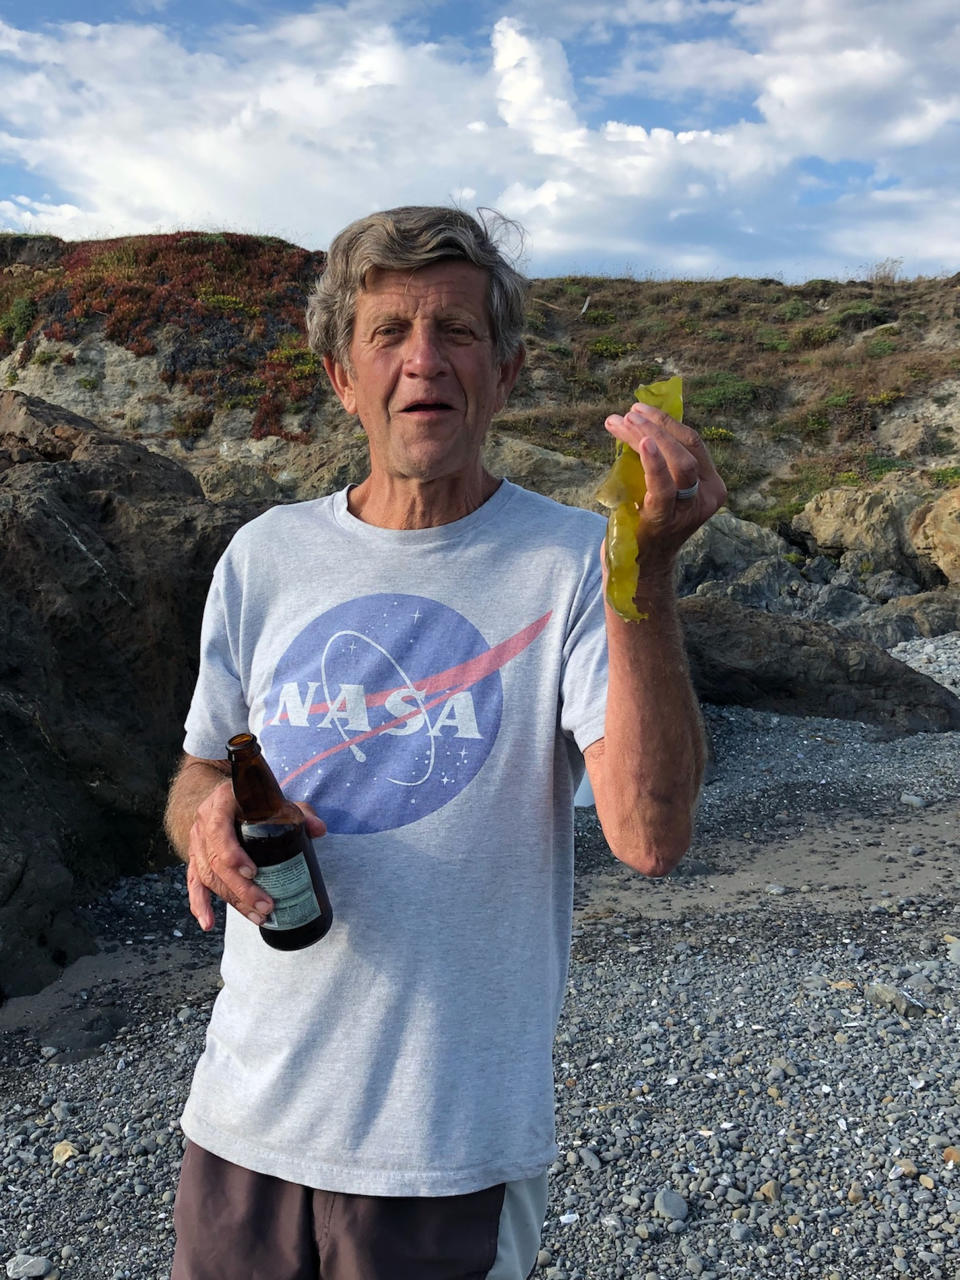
<point x="393" y="503"/>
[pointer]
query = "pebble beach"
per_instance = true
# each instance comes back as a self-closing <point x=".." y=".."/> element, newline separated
<point x="757" y="1067"/>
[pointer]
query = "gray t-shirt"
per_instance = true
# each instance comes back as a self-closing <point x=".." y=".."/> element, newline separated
<point x="430" y="692"/>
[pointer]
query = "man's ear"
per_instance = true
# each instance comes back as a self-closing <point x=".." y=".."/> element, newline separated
<point x="509" y="372"/>
<point x="342" y="383"/>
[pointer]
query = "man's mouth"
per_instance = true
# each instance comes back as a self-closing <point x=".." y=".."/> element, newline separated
<point x="427" y="406"/>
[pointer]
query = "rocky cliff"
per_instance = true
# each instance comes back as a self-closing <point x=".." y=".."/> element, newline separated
<point x="106" y="551"/>
<point x="171" y="396"/>
<point x="193" y="345"/>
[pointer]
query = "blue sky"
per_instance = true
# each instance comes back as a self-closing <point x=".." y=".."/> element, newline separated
<point x="699" y="138"/>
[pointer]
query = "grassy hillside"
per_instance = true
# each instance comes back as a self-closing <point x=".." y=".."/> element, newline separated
<point x="795" y="387"/>
<point x="788" y="384"/>
<point x="225" y="312"/>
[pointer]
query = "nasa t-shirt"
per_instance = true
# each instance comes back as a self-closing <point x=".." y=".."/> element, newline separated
<point x="429" y="692"/>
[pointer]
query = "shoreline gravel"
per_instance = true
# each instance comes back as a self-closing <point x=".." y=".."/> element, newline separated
<point x="757" y="1064"/>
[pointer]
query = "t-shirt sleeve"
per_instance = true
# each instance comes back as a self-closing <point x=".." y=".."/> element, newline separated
<point x="219" y="708"/>
<point x="583" y="689"/>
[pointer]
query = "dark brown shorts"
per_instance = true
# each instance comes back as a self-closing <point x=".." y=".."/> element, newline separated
<point x="233" y="1224"/>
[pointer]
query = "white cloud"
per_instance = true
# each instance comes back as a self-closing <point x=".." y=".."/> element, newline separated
<point x="711" y="68"/>
<point x="25" y="214"/>
<point x="298" y="123"/>
<point x="534" y="90"/>
<point x="885" y="218"/>
<point x="273" y="129"/>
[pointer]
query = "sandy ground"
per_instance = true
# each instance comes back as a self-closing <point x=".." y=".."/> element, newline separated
<point x="843" y="865"/>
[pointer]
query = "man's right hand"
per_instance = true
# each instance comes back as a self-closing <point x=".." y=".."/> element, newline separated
<point x="201" y="823"/>
<point x="217" y="863"/>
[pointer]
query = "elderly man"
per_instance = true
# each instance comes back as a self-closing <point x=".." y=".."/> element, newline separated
<point x="428" y="661"/>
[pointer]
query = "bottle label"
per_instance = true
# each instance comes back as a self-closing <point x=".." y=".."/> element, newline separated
<point x="291" y="888"/>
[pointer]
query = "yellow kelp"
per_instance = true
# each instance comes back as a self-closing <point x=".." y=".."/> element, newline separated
<point x="623" y="491"/>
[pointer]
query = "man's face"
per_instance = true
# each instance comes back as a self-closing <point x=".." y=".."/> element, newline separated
<point x="424" y="378"/>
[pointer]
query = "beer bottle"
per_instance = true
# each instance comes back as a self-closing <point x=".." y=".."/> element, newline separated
<point x="271" y="829"/>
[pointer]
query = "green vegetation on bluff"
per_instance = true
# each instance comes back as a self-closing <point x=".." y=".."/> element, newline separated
<point x="233" y="305"/>
<point x="787" y="383"/>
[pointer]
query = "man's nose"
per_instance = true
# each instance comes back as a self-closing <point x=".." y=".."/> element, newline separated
<point x="424" y="355"/>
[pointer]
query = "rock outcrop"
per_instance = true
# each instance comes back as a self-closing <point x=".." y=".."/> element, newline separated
<point x="803" y="668"/>
<point x="895" y="524"/>
<point x="723" y="549"/>
<point x="908" y="617"/>
<point x="565" y="479"/>
<point x="29" y="251"/>
<point x="934" y="530"/>
<point x="106" y="551"/>
<point x="735" y="560"/>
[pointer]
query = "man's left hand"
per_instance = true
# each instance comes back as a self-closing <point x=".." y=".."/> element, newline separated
<point x="676" y="463"/>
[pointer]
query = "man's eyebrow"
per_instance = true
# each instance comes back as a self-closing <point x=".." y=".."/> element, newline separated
<point x="455" y="312"/>
<point x="394" y="317"/>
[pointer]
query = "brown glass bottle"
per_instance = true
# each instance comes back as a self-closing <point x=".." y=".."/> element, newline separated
<point x="271" y="829"/>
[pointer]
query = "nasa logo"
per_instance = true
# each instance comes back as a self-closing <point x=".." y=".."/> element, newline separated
<point x="383" y="709"/>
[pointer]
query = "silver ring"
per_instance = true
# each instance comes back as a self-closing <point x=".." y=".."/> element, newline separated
<point x="685" y="495"/>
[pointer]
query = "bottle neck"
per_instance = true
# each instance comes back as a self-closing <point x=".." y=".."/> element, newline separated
<point x="256" y="790"/>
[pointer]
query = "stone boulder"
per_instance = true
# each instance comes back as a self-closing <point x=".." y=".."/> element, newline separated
<point x="557" y="475"/>
<point x="934" y="530"/>
<point x="879" y="523"/>
<point x="772" y="582"/>
<point x="923" y="615"/>
<point x="724" y="548"/>
<point x="803" y="668"/>
<point x="887" y="585"/>
<point x="106" y="551"/>
<point x="732" y="559"/>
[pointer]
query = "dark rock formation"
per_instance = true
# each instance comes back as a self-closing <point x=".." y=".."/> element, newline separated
<point x="910" y="617"/>
<point x="803" y="668"/>
<point x="30" y="251"/>
<point x="730" y="559"/>
<point x="106" y="551"/>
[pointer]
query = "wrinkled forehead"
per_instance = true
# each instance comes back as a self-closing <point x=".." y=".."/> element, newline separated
<point x="447" y="286"/>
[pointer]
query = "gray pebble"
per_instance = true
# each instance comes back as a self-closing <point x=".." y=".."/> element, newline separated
<point x="668" y="1204"/>
<point x="712" y="1054"/>
<point x="23" y="1265"/>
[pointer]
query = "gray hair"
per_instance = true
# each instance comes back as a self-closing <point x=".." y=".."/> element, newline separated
<point x="409" y="238"/>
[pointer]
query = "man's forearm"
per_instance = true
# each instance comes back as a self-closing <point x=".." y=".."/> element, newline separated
<point x="646" y="773"/>
<point x="193" y="782"/>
